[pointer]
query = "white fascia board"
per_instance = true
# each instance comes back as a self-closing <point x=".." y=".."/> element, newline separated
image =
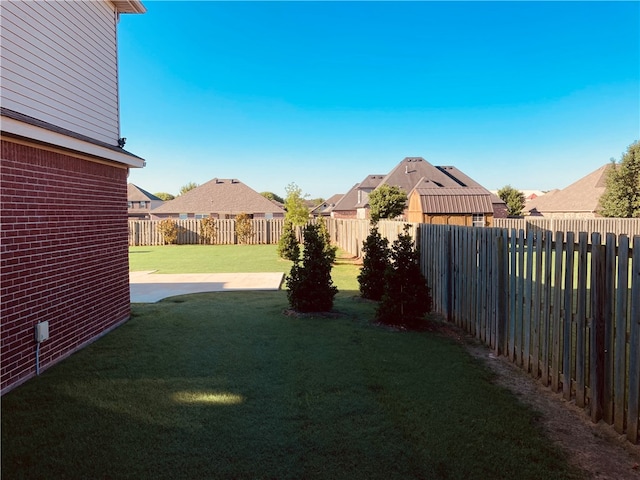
<point x="129" y="6"/>
<point x="21" y="129"/>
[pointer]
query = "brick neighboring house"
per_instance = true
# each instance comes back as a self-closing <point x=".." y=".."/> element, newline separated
<point x="353" y="203"/>
<point x="219" y="198"/>
<point x="581" y="199"/>
<point x="63" y="182"/>
<point x="326" y="208"/>
<point x="140" y="203"/>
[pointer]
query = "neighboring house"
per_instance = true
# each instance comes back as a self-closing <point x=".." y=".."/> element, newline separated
<point x="140" y="202"/>
<point x="500" y="209"/>
<point x="63" y="182"/>
<point x="353" y="203"/>
<point x="219" y="198"/>
<point x="326" y="207"/>
<point x="578" y="200"/>
<point x="449" y="204"/>
<point x="531" y="194"/>
<point x="415" y="173"/>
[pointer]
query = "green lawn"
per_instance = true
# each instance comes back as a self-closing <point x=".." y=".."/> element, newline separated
<point x="207" y="259"/>
<point x="224" y="385"/>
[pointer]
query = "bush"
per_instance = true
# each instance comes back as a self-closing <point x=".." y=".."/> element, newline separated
<point x="288" y="246"/>
<point x="244" y="229"/>
<point x="208" y="230"/>
<point x="374" y="264"/>
<point x="309" y="286"/>
<point x="168" y="228"/>
<point x="406" y="298"/>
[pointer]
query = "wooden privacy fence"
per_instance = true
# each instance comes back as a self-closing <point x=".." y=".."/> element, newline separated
<point x="349" y="234"/>
<point x="146" y="232"/>
<point x="565" y="308"/>
<point x="618" y="226"/>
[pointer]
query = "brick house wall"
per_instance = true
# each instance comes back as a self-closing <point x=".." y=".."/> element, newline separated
<point x="63" y="240"/>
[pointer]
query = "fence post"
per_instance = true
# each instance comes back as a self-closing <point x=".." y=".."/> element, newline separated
<point x="568" y="316"/>
<point x="634" y="346"/>
<point x="597" y="345"/>
<point x="502" y="311"/>
<point x="620" y="361"/>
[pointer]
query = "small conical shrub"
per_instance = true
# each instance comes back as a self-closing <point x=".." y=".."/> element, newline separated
<point x="406" y="298"/>
<point x="288" y="245"/>
<point x="374" y="264"/>
<point x="309" y="285"/>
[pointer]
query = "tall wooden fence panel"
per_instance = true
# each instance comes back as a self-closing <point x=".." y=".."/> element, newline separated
<point x="565" y="307"/>
<point x="350" y="234"/>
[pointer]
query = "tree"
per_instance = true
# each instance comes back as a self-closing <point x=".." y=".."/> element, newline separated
<point x="272" y="196"/>
<point x="374" y="264"/>
<point x="185" y="188"/>
<point x="406" y="296"/>
<point x="288" y="246"/>
<point x="244" y="229"/>
<point x="297" y="211"/>
<point x="309" y="285"/>
<point x="387" y="201"/>
<point x="621" y="197"/>
<point x="164" y="196"/>
<point x="514" y="200"/>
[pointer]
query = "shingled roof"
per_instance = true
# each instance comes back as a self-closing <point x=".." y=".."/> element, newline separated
<point x="228" y="196"/>
<point x="137" y="194"/>
<point x="582" y="196"/>
<point x="412" y="170"/>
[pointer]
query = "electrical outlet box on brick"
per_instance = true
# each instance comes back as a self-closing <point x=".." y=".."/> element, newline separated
<point x="42" y="331"/>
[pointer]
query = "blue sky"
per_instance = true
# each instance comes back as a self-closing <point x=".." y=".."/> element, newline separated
<point x="532" y="94"/>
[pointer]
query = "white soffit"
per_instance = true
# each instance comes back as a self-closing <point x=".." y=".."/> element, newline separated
<point x="129" y="6"/>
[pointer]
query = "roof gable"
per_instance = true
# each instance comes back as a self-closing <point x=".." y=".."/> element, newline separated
<point x="220" y="196"/>
<point x="411" y="170"/>
<point x="581" y="196"/>
<point x="137" y="194"/>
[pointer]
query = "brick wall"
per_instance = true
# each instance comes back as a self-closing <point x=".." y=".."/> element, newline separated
<point x="64" y="255"/>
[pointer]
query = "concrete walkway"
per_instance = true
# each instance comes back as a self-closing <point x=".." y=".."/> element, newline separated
<point x="147" y="287"/>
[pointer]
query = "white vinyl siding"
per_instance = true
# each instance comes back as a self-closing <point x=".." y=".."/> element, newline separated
<point x="59" y="65"/>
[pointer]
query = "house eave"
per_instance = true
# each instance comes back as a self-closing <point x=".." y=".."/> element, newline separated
<point x="129" y="6"/>
<point x="34" y="131"/>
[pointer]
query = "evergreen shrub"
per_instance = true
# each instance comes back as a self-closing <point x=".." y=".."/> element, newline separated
<point x="309" y="284"/>
<point x="406" y="298"/>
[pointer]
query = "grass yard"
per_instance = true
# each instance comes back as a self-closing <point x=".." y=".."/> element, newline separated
<point x="224" y="385"/>
<point x="207" y="259"/>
